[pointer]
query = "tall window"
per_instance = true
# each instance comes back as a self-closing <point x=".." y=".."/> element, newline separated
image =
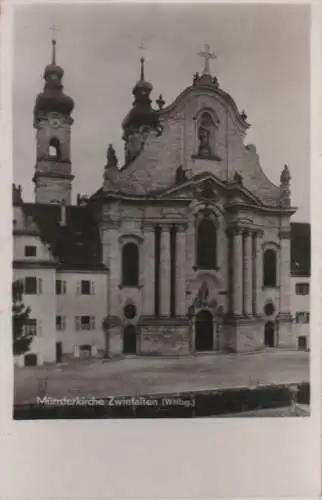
<point x="30" y="326"/>
<point x="302" y="317"/>
<point x="61" y="287"/>
<point x="30" y="251"/>
<point x="60" y="323"/>
<point x="33" y="285"/>
<point x="130" y="265"/>
<point x="54" y="148"/>
<point x="85" y="287"/>
<point x="206" y="244"/>
<point x="302" y="288"/>
<point x="85" y="322"/>
<point x="269" y="268"/>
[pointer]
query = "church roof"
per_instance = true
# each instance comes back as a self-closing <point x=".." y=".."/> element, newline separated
<point x="75" y="244"/>
<point x="300" y="249"/>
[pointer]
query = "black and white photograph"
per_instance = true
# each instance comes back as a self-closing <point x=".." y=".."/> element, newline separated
<point x="161" y="211"/>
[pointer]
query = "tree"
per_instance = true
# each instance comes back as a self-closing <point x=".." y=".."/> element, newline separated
<point x="22" y="338"/>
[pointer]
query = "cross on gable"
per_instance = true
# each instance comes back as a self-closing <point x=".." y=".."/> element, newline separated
<point x="207" y="55"/>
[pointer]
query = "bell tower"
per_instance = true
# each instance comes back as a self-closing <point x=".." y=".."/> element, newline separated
<point x="52" y="121"/>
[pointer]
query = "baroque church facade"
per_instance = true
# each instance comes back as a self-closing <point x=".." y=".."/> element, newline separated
<point x="186" y="245"/>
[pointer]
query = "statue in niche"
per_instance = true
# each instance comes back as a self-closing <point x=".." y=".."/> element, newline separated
<point x="202" y="296"/>
<point x="181" y="175"/>
<point x="204" y="142"/>
<point x="238" y="178"/>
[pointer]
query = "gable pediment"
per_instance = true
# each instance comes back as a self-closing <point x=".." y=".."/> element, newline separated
<point x="208" y="188"/>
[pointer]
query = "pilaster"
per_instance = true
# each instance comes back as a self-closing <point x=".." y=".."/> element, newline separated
<point x="237" y="297"/>
<point x="180" y="271"/>
<point x="258" y="273"/>
<point x="248" y="274"/>
<point x="149" y="269"/>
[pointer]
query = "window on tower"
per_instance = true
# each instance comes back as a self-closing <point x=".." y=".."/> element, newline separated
<point x="54" y="148"/>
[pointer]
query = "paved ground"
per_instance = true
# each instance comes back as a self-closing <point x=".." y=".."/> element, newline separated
<point x="147" y="375"/>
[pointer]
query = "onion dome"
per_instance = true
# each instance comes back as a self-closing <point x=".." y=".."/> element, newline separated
<point x="53" y="99"/>
<point x="141" y="113"/>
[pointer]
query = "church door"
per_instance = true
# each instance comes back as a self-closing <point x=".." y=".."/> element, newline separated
<point x="204" y="331"/>
<point x="269" y="339"/>
<point x="129" y="340"/>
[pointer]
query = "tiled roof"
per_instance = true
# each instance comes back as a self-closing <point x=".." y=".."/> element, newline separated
<point x="300" y="249"/>
<point x="76" y="244"/>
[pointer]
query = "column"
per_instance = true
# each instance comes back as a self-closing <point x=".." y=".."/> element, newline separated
<point x="165" y="271"/>
<point x="114" y="265"/>
<point x="284" y="273"/>
<point x="148" y="270"/>
<point x="259" y="272"/>
<point x="237" y="273"/>
<point x="248" y="275"/>
<point x="180" y="272"/>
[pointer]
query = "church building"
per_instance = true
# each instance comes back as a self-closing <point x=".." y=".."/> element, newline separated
<point x="184" y="248"/>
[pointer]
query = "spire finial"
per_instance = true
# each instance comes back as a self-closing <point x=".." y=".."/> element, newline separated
<point x="142" y="68"/>
<point x="53" y="41"/>
<point x="207" y="55"/>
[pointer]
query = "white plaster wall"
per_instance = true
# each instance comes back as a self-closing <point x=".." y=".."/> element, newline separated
<point x="19" y="243"/>
<point x="300" y="303"/>
<point x="74" y="304"/>
<point x="43" y="308"/>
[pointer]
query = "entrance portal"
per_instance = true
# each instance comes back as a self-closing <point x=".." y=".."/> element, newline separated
<point x="269" y="337"/>
<point x="204" y="331"/>
<point x="129" y="340"/>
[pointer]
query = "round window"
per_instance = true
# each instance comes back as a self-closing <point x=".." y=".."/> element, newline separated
<point x="269" y="309"/>
<point x="129" y="311"/>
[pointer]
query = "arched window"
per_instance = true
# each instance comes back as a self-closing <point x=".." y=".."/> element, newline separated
<point x="206" y="244"/>
<point x="54" y="148"/>
<point x="269" y="278"/>
<point x="130" y="265"/>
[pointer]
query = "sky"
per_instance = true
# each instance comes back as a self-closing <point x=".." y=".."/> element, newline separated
<point x="262" y="62"/>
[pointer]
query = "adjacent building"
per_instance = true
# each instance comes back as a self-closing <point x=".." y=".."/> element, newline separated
<point x="300" y="282"/>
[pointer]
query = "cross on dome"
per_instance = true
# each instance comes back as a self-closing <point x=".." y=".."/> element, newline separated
<point x="54" y="29"/>
<point x="207" y="55"/>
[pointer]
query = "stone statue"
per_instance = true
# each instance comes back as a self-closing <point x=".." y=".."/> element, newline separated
<point x="204" y="142"/>
<point x="195" y="78"/>
<point x="111" y="157"/>
<point x="285" y="176"/>
<point x="238" y="178"/>
<point x="202" y="296"/>
<point x="181" y="175"/>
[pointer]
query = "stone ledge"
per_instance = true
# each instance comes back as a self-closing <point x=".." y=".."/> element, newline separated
<point x="164" y="321"/>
